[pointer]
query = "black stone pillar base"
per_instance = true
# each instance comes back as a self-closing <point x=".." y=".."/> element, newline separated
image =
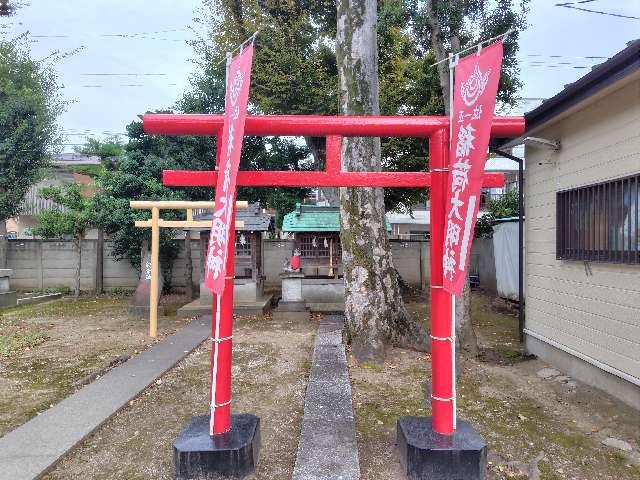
<point x="425" y="454"/>
<point x="199" y="456"/>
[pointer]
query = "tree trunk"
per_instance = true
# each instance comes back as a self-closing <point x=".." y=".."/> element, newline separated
<point x="374" y="309"/>
<point x="466" y="340"/>
<point x="188" y="265"/>
<point x="78" y="244"/>
<point x="331" y="194"/>
<point x="465" y="335"/>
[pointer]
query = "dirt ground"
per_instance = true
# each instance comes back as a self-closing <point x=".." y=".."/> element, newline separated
<point x="270" y="373"/>
<point x="536" y="429"/>
<point x="49" y="350"/>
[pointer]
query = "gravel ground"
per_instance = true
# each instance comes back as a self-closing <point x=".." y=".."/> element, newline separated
<point x="536" y="428"/>
<point x="270" y="372"/>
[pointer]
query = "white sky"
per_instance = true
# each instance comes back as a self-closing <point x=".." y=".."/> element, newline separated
<point x="107" y="103"/>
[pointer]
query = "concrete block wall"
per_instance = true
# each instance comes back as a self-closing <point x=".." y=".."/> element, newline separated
<point x="411" y="259"/>
<point x="483" y="263"/>
<point x="117" y="274"/>
<point x="3" y="252"/>
<point x="274" y="254"/>
<point x="40" y="264"/>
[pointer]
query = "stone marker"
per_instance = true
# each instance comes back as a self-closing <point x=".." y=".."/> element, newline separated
<point x="426" y="455"/>
<point x="139" y="304"/>
<point x="291" y="306"/>
<point x="198" y="455"/>
<point x="8" y="298"/>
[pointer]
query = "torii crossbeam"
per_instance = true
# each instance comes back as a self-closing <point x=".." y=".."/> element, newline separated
<point x="333" y="128"/>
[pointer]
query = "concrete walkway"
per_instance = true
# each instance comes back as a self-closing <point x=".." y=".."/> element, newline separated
<point x="327" y="448"/>
<point x="31" y="449"/>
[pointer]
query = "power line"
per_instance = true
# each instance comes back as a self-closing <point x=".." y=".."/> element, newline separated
<point x="572" y="5"/>
<point x="587" y="57"/>
<point x="124" y="74"/>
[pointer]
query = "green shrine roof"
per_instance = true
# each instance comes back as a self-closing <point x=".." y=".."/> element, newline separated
<point x="314" y="218"/>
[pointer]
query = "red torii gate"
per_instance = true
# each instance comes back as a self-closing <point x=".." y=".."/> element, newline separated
<point x="333" y="128"/>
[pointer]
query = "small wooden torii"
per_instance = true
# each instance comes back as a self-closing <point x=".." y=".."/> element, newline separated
<point x="155" y="223"/>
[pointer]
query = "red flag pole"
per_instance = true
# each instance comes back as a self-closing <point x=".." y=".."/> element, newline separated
<point x="442" y="400"/>
<point x="221" y="404"/>
<point x="452" y="62"/>
<point x="221" y="338"/>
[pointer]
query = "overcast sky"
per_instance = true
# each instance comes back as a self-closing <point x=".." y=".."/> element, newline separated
<point x="135" y="57"/>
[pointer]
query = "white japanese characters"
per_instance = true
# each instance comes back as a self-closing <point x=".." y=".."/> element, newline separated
<point x="463" y="147"/>
<point x="474" y="86"/>
<point x="219" y="236"/>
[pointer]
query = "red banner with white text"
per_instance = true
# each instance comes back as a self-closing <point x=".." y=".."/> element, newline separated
<point x="474" y="99"/>
<point x="235" y="113"/>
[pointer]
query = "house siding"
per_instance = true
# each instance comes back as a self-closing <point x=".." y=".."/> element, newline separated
<point x="591" y="309"/>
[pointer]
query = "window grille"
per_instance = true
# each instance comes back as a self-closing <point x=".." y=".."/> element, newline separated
<point x="243" y="250"/>
<point x="315" y="246"/>
<point x="600" y="222"/>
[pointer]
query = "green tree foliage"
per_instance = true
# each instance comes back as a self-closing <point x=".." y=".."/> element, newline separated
<point x="506" y="206"/>
<point x="448" y="26"/>
<point x="73" y="215"/>
<point x="109" y="151"/>
<point x="138" y="173"/>
<point x="136" y="177"/>
<point x="295" y="68"/>
<point x="29" y="105"/>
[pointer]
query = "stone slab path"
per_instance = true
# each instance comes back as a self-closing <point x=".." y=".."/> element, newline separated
<point x="31" y="449"/>
<point x="328" y="448"/>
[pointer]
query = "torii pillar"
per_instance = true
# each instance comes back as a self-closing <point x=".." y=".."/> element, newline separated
<point x="430" y="447"/>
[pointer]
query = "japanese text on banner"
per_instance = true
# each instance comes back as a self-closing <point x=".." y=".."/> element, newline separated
<point x="237" y="96"/>
<point x="474" y="98"/>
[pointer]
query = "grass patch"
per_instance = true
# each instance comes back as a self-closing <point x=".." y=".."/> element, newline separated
<point x="63" y="308"/>
<point x="19" y="341"/>
<point x="547" y="473"/>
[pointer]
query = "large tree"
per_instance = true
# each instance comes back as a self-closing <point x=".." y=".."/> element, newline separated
<point x="374" y="308"/>
<point x="295" y="71"/>
<point x="29" y="105"/>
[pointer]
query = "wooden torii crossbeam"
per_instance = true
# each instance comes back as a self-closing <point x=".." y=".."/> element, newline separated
<point x="333" y="128"/>
<point x="156" y="223"/>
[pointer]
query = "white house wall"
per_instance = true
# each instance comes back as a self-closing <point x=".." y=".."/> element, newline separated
<point x="592" y="310"/>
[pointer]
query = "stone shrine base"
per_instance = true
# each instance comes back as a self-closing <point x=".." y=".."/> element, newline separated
<point x="257" y="308"/>
<point x="426" y="455"/>
<point x="197" y="455"/>
<point x="291" y="311"/>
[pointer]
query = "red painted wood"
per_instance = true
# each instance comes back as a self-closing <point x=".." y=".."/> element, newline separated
<point x="441" y="350"/>
<point x="205" y="178"/>
<point x="333" y="154"/>
<point x="222" y="414"/>
<point x="318" y="125"/>
<point x="443" y="405"/>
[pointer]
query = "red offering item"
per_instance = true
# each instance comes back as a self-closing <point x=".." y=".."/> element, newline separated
<point x="295" y="262"/>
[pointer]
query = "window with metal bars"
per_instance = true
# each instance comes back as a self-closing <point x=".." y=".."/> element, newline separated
<point x="600" y="222"/>
<point x="318" y="246"/>
<point x="313" y="246"/>
<point x="243" y="247"/>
